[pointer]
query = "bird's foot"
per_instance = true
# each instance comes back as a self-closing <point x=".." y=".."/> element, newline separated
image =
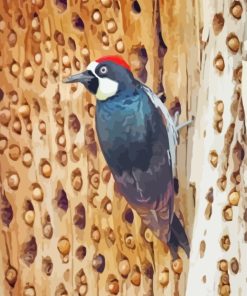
<point x="184" y="124"/>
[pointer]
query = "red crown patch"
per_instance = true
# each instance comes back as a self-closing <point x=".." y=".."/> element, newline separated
<point x="115" y="59"/>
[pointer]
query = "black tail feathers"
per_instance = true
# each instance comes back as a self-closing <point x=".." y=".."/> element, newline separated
<point x="178" y="238"/>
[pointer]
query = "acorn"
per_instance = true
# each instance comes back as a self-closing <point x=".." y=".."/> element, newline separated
<point x="83" y="290"/>
<point x="15" y="69"/>
<point x="225" y="242"/>
<point x="37" y="36"/>
<point x="11" y="276"/>
<point x="63" y="246"/>
<point x="66" y="61"/>
<point x="29" y="217"/>
<point x="213" y="156"/>
<point x="111" y="235"/>
<point x="177" y="266"/>
<point x="124" y="267"/>
<point x="113" y="287"/>
<point x="2" y="25"/>
<point x="21" y="21"/>
<point x="96" y="16"/>
<point x="227" y="213"/>
<point x="105" y="39"/>
<point x="47" y="230"/>
<point x="219" y="125"/>
<point x="46" y="170"/>
<point x="223" y="265"/>
<point x="225" y="290"/>
<point x="202" y="248"/>
<point x="224" y="278"/>
<point x="3" y="144"/>
<point x="148" y="235"/>
<point x="42" y="127"/>
<point x="234" y="265"/>
<point x="12" y="38"/>
<point x="106" y="3"/>
<point x="5" y="116"/>
<point x="221" y="182"/>
<point x="130" y="241"/>
<point x="164" y="277"/>
<point x="136" y="278"/>
<point x="13" y="181"/>
<point x="14" y="152"/>
<point x="61" y="140"/>
<point x="29" y="291"/>
<point x="108" y="207"/>
<point x="47" y="45"/>
<point x="59" y="117"/>
<point x="76" y="152"/>
<point x="220" y="107"/>
<point x="94" y="179"/>
<point x="111" y="26"/>
<point x="218" y="23"/>
<point x="233" y="43"/>
<point x="39" y="3"/>
<point x="35" y="23"/>
<point x="106" y="174"/>
<point x="28" y="73"/>
<point x="65" y="259"/>
<point x="38" y="58"/>
<point x="234" y="198"/>
<point x="29" y="128"/>
<point x="85" y="51"/>
<point x="14" y="98"/>
<point x="44" y="79"/>
<point x="16" y="126"/>
<point x="219" y="62"/>
<point x="95" y="235"/>
<point x="61" y="157"/>
<point x="120" y="46"/>
<point x="24" y="110"/>
<point x="236" y="9"/>
<point x="77" y="183"/>
<point x="27" y="158"/>
<point x="37" y="193"/>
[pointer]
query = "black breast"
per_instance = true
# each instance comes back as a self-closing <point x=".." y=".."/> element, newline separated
<point x="124" y="133"/>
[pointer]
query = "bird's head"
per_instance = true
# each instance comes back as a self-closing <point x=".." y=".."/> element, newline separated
<point x="105" y="77"/>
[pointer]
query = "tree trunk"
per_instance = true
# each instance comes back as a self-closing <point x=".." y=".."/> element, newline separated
<point x="65" y="230"/>
<point x="217" y="263"/>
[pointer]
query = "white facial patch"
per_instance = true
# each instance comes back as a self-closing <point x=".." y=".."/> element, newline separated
<point x="107" y="87"/>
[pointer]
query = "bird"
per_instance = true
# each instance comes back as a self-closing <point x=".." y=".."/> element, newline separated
<point x="138" y="139"/>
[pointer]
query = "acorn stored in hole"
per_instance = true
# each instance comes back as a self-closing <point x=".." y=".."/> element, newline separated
<point x="63" y="246"/>
<point x="124" y="267"/>
<point x="177" y="266"/>
<point x="164" y="277"/>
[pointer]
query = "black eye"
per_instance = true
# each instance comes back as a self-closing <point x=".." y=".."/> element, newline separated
<point x="103" y="70"/>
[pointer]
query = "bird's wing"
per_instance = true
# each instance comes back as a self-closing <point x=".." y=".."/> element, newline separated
<point x="170" y="125"/>
<point x="150" y="192"/>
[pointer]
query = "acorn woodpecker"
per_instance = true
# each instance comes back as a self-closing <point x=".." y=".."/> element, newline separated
<point x="138" y="138"/>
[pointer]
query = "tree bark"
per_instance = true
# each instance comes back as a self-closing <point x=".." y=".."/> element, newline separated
<point x="218" y="167"/>
<point x="65" y="230"/>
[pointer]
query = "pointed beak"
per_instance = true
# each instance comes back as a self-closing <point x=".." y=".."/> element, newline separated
<point x="87" y="78"/>
<point x="84" y="77"/>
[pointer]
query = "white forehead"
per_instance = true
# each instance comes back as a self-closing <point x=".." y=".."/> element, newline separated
<point x="92" y="66"/>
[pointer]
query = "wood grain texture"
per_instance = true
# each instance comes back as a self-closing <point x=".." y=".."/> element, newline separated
<point x="65" y="230"/>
